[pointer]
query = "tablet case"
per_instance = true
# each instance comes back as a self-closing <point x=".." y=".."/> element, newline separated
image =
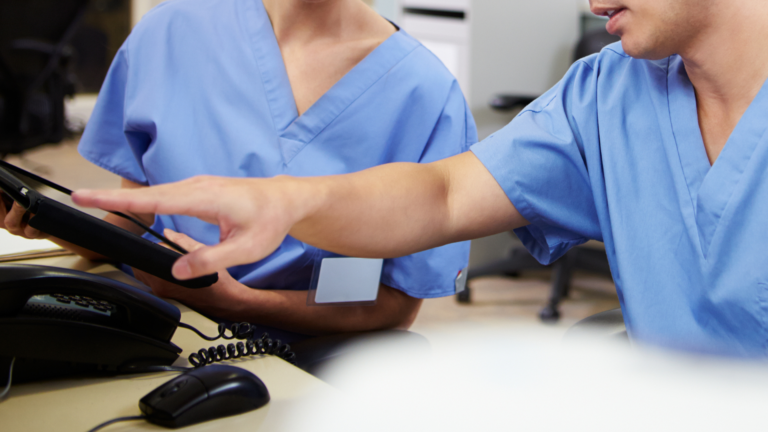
<point x="72" y="225"/>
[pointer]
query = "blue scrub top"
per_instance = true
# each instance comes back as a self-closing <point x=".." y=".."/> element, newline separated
<point x="614" y="153"/>
<point x="200" y="87"/>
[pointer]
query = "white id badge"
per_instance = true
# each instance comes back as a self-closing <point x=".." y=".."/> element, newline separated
<point x="338" y="280"/>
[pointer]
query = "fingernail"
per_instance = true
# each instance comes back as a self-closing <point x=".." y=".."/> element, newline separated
<point x="78" y="194"/>
<point x="181" y="270"/>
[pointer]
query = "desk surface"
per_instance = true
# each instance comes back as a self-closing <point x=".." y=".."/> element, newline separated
<point x="81" y="404"/>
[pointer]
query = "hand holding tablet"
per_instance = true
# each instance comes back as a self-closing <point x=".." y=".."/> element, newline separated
<point x="55" y="214"/>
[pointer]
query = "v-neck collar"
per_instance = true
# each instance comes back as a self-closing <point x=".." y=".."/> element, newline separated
<point x="711" y="187"/>
<point x="685" y="124"/>
<point x="294" y="131"/>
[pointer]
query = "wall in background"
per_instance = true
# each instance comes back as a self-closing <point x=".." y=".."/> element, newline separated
<point x="140" y="7"/>
<point x="521" y="46"/>
<point x="387" y="8"/>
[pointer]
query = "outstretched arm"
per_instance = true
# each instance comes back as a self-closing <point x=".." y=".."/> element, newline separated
<point x="386" y="211"/>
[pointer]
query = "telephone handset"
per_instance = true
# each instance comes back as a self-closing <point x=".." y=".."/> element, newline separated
<point x="53" y="320"/>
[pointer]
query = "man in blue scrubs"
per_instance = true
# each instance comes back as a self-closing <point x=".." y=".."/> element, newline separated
<point x="657" y="146"/>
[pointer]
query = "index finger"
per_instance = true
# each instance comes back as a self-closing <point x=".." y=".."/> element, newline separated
<point x="173" y="198"/>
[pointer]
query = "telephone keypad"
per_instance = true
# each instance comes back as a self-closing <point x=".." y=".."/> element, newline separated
<point x="72" y="304"/>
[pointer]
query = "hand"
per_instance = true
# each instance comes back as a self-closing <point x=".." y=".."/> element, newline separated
<point x="253" y="215"/>
<point x="16" y="221"/>
<point x="222" y="299"/>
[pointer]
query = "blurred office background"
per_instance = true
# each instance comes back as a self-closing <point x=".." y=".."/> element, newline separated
<point x="514" y="47"/>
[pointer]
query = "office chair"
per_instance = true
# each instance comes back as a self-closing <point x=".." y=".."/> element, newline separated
<point x="587" y="257"/>
<point x="35" y="64"/>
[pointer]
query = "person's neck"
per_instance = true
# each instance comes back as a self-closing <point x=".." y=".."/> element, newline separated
<point x="727" y="64"/>
<point x="301" y="21"/>
<point x="728" y="61"/>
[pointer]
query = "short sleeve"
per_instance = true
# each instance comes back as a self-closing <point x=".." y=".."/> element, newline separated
<point x="105" y="141"/>
<point x="432" y="273"/>
<point x="541" y="162"/>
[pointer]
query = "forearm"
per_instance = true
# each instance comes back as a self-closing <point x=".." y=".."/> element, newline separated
<point x="288" y="310"/>
<point x="376" y="212"/>
<point x="398" y="209"/>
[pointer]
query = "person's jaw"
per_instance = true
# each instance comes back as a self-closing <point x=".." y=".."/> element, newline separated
<point x="649" y="29"/>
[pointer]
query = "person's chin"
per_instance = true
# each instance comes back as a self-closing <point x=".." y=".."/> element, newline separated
<point x="641" y="48"/>
<point x="632" y="48"/>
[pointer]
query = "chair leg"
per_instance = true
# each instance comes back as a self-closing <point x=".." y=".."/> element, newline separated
<point x="465" y="296"/>
<point x="562" y="270"/>
<point x="518" y="260"/>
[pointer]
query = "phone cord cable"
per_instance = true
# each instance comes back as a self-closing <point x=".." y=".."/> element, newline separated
<point x="252" y="346"/>
<point x="240" y="331"/>
<point x="10" y="375"/>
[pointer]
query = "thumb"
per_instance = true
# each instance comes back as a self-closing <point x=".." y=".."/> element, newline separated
<point x="204" y="260"/>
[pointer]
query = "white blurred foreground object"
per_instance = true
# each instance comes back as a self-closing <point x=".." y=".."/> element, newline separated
<point x="529" y="380"/>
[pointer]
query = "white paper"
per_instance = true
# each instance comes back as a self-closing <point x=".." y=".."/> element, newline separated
<point x="12" y="245"/>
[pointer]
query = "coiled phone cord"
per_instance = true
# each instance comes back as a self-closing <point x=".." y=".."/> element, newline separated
<point x="251" y="346"/>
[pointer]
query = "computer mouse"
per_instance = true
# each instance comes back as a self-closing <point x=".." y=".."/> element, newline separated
<point x="204" y="394"/>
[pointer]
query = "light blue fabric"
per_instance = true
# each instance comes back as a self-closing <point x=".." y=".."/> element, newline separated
<point x="200" y="87"/>
<point x="614" y="153"/>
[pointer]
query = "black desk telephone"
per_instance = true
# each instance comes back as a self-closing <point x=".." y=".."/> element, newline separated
<point x="56" y="321"/>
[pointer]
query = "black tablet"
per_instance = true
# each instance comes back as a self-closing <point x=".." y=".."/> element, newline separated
<point x="53" y="212"/>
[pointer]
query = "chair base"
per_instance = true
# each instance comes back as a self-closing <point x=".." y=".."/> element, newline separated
<point x="578" y="258"/>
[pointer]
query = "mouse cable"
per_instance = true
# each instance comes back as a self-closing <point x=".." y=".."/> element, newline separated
<point x="154" y="368"/>
<point x="251" y="346"/>
<point x="10" y="375"/>
<point x="115" y="420"/>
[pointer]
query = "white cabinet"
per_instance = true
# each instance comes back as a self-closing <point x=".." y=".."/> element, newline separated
<point x="496" y="46"/>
